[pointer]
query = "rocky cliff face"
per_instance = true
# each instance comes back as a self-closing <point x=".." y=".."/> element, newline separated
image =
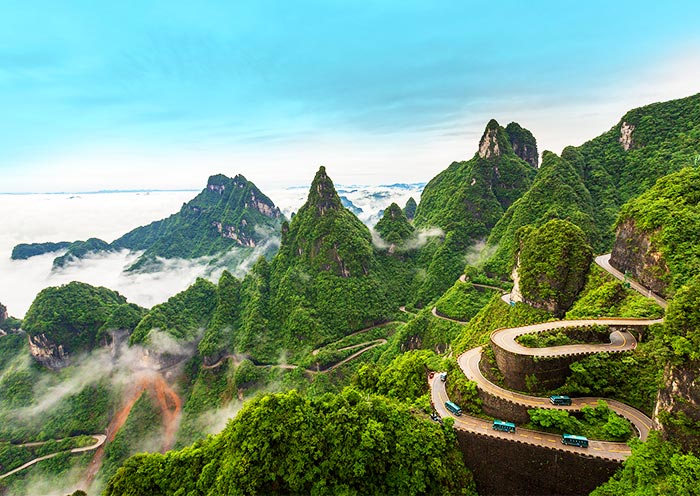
<point x="677" y="412"/>
<point x="625" y="138"/>
<point x="488" y="146"/>
<point x="634" y="253"/>
<point x="47" y="353"/>
<point x="523" y="143"/>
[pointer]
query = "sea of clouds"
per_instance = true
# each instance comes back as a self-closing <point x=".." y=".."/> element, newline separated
<point x="36" y="218"/>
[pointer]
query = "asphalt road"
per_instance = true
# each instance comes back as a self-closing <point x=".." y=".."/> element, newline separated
<point x="99" y="441"/>
<point x="505" y="338"/>
<point x="615" y="451"/>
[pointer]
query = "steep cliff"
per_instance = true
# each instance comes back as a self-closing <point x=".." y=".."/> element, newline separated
<point x="635" y="254"/>
<point x="523" y="143"/>
<point x="677" y="412"/>
<point x="656" y="238"/>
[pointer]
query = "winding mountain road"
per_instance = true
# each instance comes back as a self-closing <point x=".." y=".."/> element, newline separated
<point x="603" y="449"/>
<point x="506" y="339"/>
<point x="604" y="262"/>
<point x="99" y="441"/>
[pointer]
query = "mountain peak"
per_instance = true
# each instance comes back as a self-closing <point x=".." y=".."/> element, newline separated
<point x="322" y="194"/>
<point x="523" y="143"/>
<point x="489" y="146"/>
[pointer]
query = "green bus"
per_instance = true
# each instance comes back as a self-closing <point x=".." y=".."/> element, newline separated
<point x="560" y="400"/>
<point x="453" y="408"/>
<point x="500" y="425"/>
<point x="572" y="440"/>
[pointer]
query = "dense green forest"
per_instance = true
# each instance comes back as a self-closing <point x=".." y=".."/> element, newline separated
<point x="229" y="212"/>
<point x="76" y="315"/>
<point x="320" y="353"/>
<point x="289" y="444"/>
<point x="466" y="200"/>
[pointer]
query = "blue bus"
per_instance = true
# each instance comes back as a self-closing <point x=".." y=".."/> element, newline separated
<point x="560" y="400"/>
<point x="453" y="408"/>
<point x="500" y="425"/>
<point x="572" y="440"/>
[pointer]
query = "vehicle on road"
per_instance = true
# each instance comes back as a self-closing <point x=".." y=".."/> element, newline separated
<point x="500" y="425"/>
<point x="435" y="417"/>
<point x="453" y="408"/>
<point x="443" y="376"/>
<point x="572" y="440"/>
<point x="560" y="400"/>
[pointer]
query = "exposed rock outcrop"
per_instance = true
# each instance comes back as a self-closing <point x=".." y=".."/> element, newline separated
<point x="47" y="353"/>
<point x="677" y="412"/>
<point x="524" y="143"/>
<point x="625" y="138"/>
<point x="488" y="146"/>
<point x="634" y="253"/>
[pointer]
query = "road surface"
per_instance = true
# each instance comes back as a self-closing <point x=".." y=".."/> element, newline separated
<point x="99" y="441"/>
<point x="505" y="338"/>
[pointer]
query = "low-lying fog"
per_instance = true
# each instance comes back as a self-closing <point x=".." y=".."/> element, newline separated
<point x="38" y="218"/>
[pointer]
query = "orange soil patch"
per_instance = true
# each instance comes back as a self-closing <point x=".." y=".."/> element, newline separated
<point x="170" y="406"/>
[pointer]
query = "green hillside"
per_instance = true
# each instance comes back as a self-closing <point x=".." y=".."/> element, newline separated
<point x="466" y="200"/>
<point x="289" y="444"/>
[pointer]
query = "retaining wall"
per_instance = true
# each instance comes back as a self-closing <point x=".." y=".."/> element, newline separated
<point x="504" y="466"/>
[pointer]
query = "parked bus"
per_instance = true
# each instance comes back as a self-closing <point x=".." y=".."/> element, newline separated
<point x="500" y="425"/>
<point x="560" y="400"/>
<point x="572" y="440"/>
<point x="453" y="408"/>
<point x="443" y="376"/>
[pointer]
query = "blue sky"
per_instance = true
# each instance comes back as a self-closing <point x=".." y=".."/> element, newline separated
<point x="161" y="94"/>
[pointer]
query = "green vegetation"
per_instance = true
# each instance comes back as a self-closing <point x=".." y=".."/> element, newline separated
<point x="466" y="200"/>
<point x="655" y="467"/>
<point x="633" y="378"/>
<point x="48" y="475"/>
<point x="323" y="284"/>
<point x="669" y="213"/>
<point x="523" y="143"/>
<point x="16" y="455"/>
<point x="73" y="314"/>
<point x="227" y="213"/>
<point x="558" y="192"/>
<point x="141" y="432"/>
<point x="285" y="443"/>
<point x="183" y="316"/>
<point x="554" y="261"/>
<point x="565" y="336"/>
<point x="219" y="335"/>
<point x="495" y="315"/>
<point x="605" y="296"/>
<point x="410" y="209"/>
<point x="598" y="422"/>
<point x="463" y="301"/>
<point x="394" y="227"/>
<point x="682" y="329"/>
<point x="79" y="249"/>
<point x="24" y="251"/>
